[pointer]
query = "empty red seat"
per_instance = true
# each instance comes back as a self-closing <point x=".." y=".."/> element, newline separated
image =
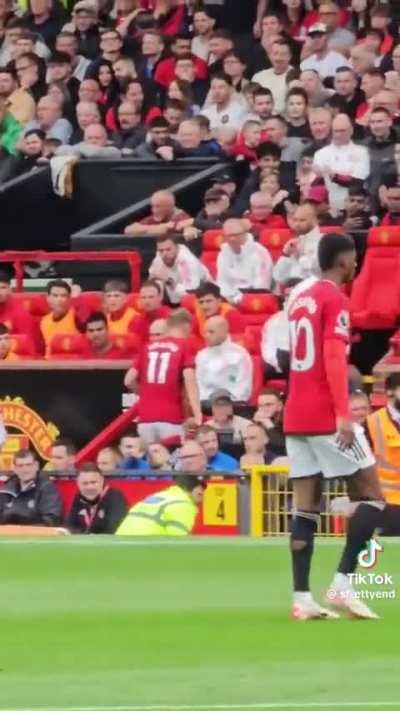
<point x="384" y="236"/>
<point x="256" y="308"/>
<point x="375" y="297"/>
<point x="34" y="303"/>
<point x="275" y="240"/>
<point x="66" y="346"/>
<point x="209" y="259"/>
<point x="212" y="240"/>
<point x="90" y="300"/>
<point x="22" y="345"/>
<point x="331" y="229"/>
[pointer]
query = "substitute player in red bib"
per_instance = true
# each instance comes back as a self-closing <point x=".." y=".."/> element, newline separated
<point x="165" y="365"/>
<point x="321" y="440"/>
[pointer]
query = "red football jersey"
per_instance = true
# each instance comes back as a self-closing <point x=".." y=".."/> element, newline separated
<point x="317" y="311"/>
<point x="160" y="365"/>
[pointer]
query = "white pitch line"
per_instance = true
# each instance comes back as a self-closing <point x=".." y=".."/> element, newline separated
<point x="221" y="707"/>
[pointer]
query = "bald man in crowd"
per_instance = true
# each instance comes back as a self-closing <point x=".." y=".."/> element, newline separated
<point x="342" y="163"/>
<point x="299" y="257"/>
<point x="223" y="364"/>
<point x="242" y="262"/>
<point x="164" y="218"/>
<point x="94" y="145"/>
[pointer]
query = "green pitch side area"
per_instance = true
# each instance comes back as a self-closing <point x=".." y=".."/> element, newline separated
<point x="102" y="624"/>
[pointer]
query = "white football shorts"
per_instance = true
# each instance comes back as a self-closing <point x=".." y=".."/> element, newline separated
<point x="316" y="454"/>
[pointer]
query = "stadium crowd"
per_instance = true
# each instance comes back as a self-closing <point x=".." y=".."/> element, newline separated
<point x="304" y="94"/>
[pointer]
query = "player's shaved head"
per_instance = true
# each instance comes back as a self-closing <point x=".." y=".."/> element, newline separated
<point x="179" y="323"/>
<point x="216" y="330"/>
<point x="304" y="219"/>
<point x="336" y="252"/>
<point x="158" y="328"/>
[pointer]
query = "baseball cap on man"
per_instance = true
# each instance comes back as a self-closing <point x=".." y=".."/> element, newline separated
<point x="318" y="28"/>
<point x="220" y="394"/>
<point x="90" y="8"/>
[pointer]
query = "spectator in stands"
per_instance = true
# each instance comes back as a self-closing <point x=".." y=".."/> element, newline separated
<point x="209" y="303"/>
<point x="269" y="158"/>
<point x="160" y="144"/>
<point x="151" y="308"/>
<point x="96" y="508"/>
<point x="49" y="120"/>
<point x="6" y="345"/>
<point x="255" y="442"/>
<point x="212" y="216"/>
<point x="120" y="316"/>
<point x="95" y="144"/>
<point x="299" y="257"/>
<point x="62" y="460"/>
<point x="317" y="93"/>
<point x="391" y="198"/>
<point x="275" y="79"/>
<point x="356" y="213"/>
<point x="217" y="461"/>
<point x="242" y="263"/>
<point x="86" y="113"/>
<point x="348" y="96"/>
<point x="360" y="407"/>
<point x="89" y="91"/>
<point x="224" y="110"/>
<point x="85" y="28"/>
<point x="10" y="130"/>
<point x="203" y="23"/>
<point x="31" y="148"/>
<point x="133" y="452"/>
<point x="261" y="216"/>
<point x="108" y="460"/>
<point x="20" y="103"/>
<point x="164" y="218"/>
<point x="320" y="120"/>
<point x="297" y="114"/>
<point x="176" y="269"/>
<point x="247" y="142"/>
<point x="223" y="364"/>
<point x="291" y="147"/>
<point x="223" y="419"/>
<point x="131" y="132"/>
<point x="64" y="318"/>
<point x="269" y="414"/>
<point x="29" y="498"/>
<point x="99" y="343"/>
<point x="344" y="155"/>
<point x="263" y="106"/>
<point x="159" y="457"/>
<point x="323" y="60"/>
<point x="340" y="39"/>
<point x="67" y="42"/>
<point x="380" y="144"/>
<point x="190" y="145"/>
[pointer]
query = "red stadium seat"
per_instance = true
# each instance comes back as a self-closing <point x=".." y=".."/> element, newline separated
<point x="22" y="345"/>
<point x="258" y="378"/>
<point x="66" y="347"/>
<point x="209" y="259"/>
<point x="128" y="342"/>
<point x="275" y="240"/>
<point x="34" y="303"/>
<point x="189" y="302"/>
<point x="256" y="308"/>
<point x="134" y="301"/>
<point x="375" y="297"/>
<point x="247" y="340"/>
<point x="212" y="240"/>
<point x="90" y="300"/>
<point x="253" y="336"/>
<point x="384" y="237"/>
<point x="280" y="386"/>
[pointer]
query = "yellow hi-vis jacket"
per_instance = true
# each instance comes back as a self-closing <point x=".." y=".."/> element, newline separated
<point x="386" y="444"/>
<point x="170" y="512"/>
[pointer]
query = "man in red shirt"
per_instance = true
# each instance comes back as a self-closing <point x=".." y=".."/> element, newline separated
<point x="163" y="219"/>
<point x="99" y="344"/>
<point x="165" y="70"/>
<point x="260" y="215"/>
<point x="321" y="439"/>
<point x="151" y="307"/>
<point x="163" y="366"/>
<point x="14" y="316"/>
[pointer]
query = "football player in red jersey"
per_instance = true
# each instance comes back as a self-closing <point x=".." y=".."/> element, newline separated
<point x="322" y="442"/>
<point x="163" y="366"/>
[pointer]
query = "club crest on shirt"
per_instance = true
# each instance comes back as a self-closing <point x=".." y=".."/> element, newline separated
<point x="342" y="327"/>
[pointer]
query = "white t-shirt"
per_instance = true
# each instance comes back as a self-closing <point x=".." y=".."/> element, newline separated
<point x="327" y="66"/>
<point x="344" y="160"/>
<point x="230" y="117"/>
<point x="276" y="83"/>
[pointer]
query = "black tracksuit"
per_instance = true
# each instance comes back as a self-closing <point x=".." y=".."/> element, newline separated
<point x="37" y="504"/>
<point x="102" y="515"/>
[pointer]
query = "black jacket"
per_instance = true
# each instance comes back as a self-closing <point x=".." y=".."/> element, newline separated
<point x="102" y="515"/>
<point x="39" y="504"/>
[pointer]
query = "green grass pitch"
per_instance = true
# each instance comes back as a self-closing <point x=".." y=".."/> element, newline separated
<point x="104" y="623"/>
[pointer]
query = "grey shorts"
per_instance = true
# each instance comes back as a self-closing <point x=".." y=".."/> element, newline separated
<point x="156" y="431"/>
